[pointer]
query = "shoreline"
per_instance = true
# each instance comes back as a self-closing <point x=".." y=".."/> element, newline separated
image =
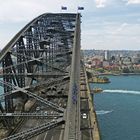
<point x="121" y="74"/>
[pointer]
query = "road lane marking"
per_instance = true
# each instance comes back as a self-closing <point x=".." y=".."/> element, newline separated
<point x="45" y="135"/>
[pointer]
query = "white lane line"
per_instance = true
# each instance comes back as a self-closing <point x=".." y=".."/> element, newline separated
<point x="61" y="133"/>
<point x="37" y="138"/>
<point x="52" y="138"/>
<point x="37" y="135"/>
<point x="45" y="136"/>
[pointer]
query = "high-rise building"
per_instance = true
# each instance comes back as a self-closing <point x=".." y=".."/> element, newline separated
<point x="107" y="55"/>
<point x="138" y="55"/>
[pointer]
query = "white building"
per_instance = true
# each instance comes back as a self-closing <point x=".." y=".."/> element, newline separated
<point x="107" y="55"/>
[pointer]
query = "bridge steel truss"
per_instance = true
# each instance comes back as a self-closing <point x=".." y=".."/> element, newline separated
<point x="44" y="49"/>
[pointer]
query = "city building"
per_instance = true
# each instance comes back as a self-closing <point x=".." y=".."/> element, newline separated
<point x="107" y="55"/>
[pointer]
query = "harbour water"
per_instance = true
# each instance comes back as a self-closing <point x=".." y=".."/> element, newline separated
<point x="118" y="108"/>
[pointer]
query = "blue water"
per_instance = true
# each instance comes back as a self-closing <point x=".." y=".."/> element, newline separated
<point x="118" y="108"/>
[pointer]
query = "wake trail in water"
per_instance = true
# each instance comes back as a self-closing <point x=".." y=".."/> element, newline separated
<point x="102" y="112"/>
<point x="122" y="91"/>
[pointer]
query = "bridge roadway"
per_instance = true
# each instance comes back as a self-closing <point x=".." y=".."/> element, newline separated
<point x="46" y="91"/>
<point x="57" y="133"/>
<point x="53" y="134"/>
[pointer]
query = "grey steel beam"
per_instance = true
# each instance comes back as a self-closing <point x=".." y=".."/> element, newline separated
<point x="48" y="103"/>
<point x="8" y="100"/>
<point x="31" y="115"/>
<point x="48" y="74"/>
<point x="33" y="62"/>
<point x="8" y="47"/>
<point x="46" y="83"/>
<point x="36" y="130"/>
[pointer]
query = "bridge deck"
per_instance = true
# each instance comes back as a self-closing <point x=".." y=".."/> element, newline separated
<point x="45" y="88"/>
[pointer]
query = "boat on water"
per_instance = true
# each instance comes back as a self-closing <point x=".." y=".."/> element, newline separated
<point x="97" y="90"/>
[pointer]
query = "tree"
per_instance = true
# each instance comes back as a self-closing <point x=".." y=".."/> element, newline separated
<point x="126" y="70"/>
<point x="101" y="70"/>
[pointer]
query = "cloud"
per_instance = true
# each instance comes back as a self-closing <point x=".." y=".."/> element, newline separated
<point x="112" y="35"/>
<point x="133" y="2"/>
<point x="19" y="11"/>
<point x="120" y="29"/>
<point x="15" y="14"/>
<point x="25" y="10"/>
<point x="100" y="3"/>
<point x="117" y="23"/>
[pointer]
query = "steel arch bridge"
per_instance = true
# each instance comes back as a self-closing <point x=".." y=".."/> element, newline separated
<point x="40" y="76"/>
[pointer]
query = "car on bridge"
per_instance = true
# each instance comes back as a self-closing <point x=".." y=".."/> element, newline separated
<point x="84" y="116"/>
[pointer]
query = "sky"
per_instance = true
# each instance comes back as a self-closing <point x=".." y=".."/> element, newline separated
<point x="106" y="24"/>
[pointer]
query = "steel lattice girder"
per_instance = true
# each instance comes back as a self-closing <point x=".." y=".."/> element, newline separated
<point x="50" y="33"/>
